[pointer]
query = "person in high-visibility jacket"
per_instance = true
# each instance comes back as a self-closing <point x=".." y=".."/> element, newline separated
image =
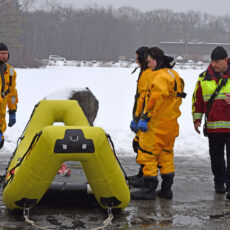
<point x="218" y="120"/>
<point x="8" y="96"/>
<point x="159" y="126"/>
<point x="138" y="102"/>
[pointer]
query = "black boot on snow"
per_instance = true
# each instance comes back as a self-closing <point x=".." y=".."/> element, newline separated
<point x="166" y="184"/>
<point x="220" y="188"/>
<point x="137" y="176"/>
<point x="148" y="189"/>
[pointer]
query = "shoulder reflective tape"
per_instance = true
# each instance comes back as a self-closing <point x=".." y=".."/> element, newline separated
<point x="11" y="71"/>
<point x="171" y="74"/>
<point x="175" y="87"/>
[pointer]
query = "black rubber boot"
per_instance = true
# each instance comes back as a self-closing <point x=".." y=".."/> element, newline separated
<point x="228" y="191"/>
<point x="148" y="189"/>
<point x="166" y="184"/>
<point x="220" y="188"/>
<point x="138" y="175"/>
<point x="137" y="183"/>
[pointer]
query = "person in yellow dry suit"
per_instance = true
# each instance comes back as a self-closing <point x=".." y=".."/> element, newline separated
<point x="159" y="126"/>
<point x="9" y="96"/>
<point x="138" y="103"/>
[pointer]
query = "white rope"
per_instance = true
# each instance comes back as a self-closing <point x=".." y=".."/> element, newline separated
<point x="107" y="221"/>
<point x="31" y="222"/>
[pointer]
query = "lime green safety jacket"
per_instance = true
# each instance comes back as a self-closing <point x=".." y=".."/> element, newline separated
<point x="219" y="115"/>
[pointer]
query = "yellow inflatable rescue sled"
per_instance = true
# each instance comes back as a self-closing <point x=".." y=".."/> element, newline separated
<point x="44" y="147"/>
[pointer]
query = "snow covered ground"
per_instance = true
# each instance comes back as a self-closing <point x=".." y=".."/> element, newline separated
<point x="115" y="89"/>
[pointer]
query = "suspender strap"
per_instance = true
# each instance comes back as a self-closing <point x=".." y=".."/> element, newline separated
<point x="10" y="81"/>
<point x="3" y="85"/>
<point x="217" y="90"/>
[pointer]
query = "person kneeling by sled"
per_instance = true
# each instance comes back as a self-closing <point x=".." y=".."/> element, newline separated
<point x="9" y="96"/>
<point x="159" y="127"/>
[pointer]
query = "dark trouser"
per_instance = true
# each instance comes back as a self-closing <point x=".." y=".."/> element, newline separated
<point x="220" y="170"/>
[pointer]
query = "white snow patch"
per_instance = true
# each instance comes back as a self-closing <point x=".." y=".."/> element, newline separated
<point x="64" y="94"/>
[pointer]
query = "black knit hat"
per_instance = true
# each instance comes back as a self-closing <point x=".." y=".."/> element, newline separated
<point x="3" y="47"/>
<point x="219" y="53"/>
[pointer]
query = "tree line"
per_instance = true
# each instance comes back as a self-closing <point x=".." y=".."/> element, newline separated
<point x="98" y="33"/>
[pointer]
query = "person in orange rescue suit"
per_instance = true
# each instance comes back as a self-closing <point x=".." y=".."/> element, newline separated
<point x="138" y="101"/>
<point x="9" y="96"/>
<point x="159" y="126"/>
<point x="218" y="118"/>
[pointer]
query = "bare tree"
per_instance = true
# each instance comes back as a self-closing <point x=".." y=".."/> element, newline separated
<point x="26" y="5"/>
<point x="107" y="33"/>
<point x="10" y="20"/>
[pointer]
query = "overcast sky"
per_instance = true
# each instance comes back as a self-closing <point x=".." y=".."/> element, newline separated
<point x="220" y="7"/>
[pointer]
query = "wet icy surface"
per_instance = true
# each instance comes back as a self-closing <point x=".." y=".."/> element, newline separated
<point x="195" y="205"/>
